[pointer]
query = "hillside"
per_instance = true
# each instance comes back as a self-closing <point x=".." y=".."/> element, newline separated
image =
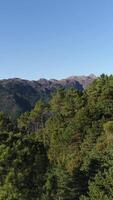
<point x="18" y="95"/>
<point x="62" y="149"/>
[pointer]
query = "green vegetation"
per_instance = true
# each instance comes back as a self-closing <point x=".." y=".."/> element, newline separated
<point x="62" y="149"/>
<point x="18" y="95"/>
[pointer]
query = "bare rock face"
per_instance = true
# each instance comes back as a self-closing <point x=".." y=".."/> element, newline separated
<point x="83" y="80"/>
<point x="18" y="95"/>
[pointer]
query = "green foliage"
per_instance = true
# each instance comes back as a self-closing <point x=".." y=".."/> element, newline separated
<point x="23" y="163"/>
<point x="61" y="150"/>
<point x="5" y="123"/>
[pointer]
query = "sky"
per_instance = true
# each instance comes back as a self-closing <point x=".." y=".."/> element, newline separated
<point x="55" y="38"/>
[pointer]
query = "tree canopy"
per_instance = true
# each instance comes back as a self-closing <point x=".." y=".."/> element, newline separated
<point x="62" y="149"/>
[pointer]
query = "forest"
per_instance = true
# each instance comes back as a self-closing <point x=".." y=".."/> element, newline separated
<point x="62" y="149"/>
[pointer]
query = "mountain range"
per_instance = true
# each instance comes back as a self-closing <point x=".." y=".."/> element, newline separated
<point x="18" y="95"/>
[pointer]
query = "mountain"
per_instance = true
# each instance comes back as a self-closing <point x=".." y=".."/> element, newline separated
<point x="18" y="95"/>
<point x="83" y="80"/>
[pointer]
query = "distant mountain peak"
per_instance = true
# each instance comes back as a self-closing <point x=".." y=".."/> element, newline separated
<point x="19" y="95"/>
<point x="83" y="79"/>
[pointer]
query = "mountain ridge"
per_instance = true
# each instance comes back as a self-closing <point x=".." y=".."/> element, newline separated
<point x="20" y="95"/>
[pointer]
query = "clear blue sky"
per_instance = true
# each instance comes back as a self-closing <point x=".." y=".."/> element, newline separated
<point x="55" y="38"/>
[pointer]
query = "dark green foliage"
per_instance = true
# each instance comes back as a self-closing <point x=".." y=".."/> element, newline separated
<point x="62" y="149"/>
<point x="23" y="164"/>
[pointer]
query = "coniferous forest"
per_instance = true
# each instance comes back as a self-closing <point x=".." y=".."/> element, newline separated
<point x="62" y="149"/>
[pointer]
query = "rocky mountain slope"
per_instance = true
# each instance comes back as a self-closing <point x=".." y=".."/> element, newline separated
<point x="18" y="95"/>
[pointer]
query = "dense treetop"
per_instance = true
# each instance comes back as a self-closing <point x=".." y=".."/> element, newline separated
<point x="62" y="149"/>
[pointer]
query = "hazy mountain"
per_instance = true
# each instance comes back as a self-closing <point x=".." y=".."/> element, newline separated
<point x="18" y="95"/>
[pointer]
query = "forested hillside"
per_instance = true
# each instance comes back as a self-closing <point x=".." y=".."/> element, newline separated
<point x="18" y="95"/>
<point x="62" y="149"/>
